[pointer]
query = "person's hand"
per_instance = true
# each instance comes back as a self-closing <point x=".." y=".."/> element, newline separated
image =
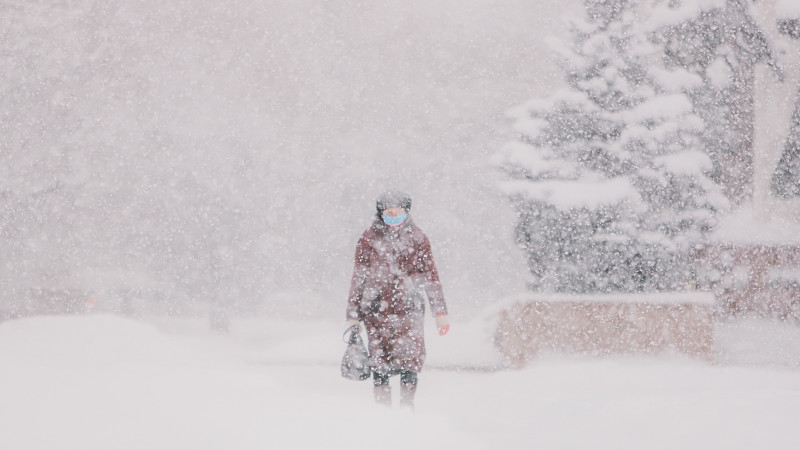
<point x="442" y="324"/>
<point x="354" y="323"/>
<point x="352" y="332"/>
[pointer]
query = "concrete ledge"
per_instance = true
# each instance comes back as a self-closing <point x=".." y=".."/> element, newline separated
<point x="606" y="325"/>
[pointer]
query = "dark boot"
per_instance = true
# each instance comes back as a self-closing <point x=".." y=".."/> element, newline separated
<point x="383" y="395"/>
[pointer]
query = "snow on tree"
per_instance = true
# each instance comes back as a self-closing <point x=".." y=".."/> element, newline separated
<point x="720" y="41"/>
<point x="609" y="176"/>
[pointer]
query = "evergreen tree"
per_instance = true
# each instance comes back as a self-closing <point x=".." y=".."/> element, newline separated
<point x="608" y="176"/>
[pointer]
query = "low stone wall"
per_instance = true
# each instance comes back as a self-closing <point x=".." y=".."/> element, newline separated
<point x="606" y="325"/>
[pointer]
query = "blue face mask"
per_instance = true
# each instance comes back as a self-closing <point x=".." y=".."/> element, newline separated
<point x="394" y="221"/>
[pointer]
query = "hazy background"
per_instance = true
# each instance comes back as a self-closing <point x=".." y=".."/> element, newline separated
<point x="202" y="150"/>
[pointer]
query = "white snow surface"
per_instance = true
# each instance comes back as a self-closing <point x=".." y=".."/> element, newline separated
<point x="534" y="162"/>
<point x="687" y="162"/>
<point x="720" y="73"/>
<point x="567" y="195"/>
<point x="676" y="80"/>
<point x="662" y="107"/>
<point x="103" y="382"/>
<point x="666" y="298"/>
<point x="743" y="226"/>
<point x="670" y="14"/>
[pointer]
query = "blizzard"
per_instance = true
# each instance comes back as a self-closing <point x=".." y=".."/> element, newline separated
<point x="168" y="161"/>
<point x="102" y="381"/>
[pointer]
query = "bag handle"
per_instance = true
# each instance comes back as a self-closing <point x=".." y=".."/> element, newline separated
<point x="354" y="337"/>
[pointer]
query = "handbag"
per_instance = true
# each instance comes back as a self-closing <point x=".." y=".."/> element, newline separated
<point x="355" y="362"/>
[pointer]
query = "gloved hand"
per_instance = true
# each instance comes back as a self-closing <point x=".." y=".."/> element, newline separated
<point x="442" y="324"/>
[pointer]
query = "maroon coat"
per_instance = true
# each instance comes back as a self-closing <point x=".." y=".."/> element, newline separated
<point x="394" y="273"/>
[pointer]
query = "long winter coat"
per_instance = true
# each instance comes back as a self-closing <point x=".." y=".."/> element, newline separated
<point x="394" y="273"/>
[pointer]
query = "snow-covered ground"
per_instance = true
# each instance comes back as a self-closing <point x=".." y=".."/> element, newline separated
<point x="105" y="382"/>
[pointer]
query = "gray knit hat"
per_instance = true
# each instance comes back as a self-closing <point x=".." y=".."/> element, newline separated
<point x="390" y="199"/>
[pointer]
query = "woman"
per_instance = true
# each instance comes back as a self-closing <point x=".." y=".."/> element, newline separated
<point x="394" y="273"/>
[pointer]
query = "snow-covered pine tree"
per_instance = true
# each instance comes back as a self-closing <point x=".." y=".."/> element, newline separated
<point x="721" y="42"/>
<point x="608" y="176"/>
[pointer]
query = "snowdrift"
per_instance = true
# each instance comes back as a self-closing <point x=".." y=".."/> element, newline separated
<point x="100" y="382"/>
